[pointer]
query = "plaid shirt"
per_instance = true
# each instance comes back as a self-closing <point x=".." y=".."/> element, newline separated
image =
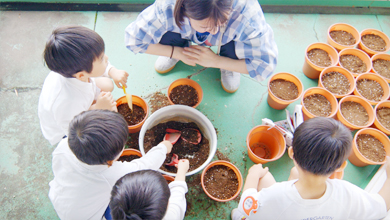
<point x="253" y="37"/>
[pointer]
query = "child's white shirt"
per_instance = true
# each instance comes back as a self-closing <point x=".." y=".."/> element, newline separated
<point x="82" y="191"/>
<point x="342" y="200"/>
<point x="177" y="204"/>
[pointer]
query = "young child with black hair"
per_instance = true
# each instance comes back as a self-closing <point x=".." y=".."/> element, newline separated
<point x="146" y="194"/>
<point x="75" y="55"/>
<point x="320" y="146"/>
<point x="85" y="164"/>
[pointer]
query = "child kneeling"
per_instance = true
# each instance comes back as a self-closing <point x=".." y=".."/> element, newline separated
<point x="85" y="164"/>
<point x="146" y="195"/>
<point x="320" y="146"/>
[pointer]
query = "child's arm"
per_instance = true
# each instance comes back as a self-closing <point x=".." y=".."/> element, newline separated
<point x="385" y="191"/>
<point x="255" y="173"/>
<point x="182" y="168"/>
<point x="119" y="76"/>
<point x="104" y="101"/>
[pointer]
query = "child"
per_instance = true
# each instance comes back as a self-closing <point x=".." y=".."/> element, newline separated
<point x="75" y="56"/>
<point x="146" y="195"/>
<point x="85" y="164"/>
<point x="320" y="146"/>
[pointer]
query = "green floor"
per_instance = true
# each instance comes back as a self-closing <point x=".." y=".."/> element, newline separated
<point x="25" y="159"/>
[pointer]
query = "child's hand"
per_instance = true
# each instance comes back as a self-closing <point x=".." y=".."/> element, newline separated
<point x="258" y="170"/>
<point x="167" y="144"/>
<point x="119" y="76"/>
<point x="105" y="101"/>
<point x="182" y="169"/>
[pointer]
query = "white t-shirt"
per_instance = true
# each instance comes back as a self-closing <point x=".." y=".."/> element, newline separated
<point x="177" y="204"/>
<point x="342" y="200"/>
<point x="82" y="191"/>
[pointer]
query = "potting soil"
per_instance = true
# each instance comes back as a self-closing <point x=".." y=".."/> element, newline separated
<point x="354" y="112"/>
<point x="128" y="158"/>
<point x="284" y="89"/>
<point x="221" y="182"/>
<point x="318" y="105"/>
<point x="319" y="57"/>
<point x="370" y="89"/>
<point x="336" y="83"/>
<point x="371" y="147"/>
<point x="343" y="37"/>
<point x="184" y="95"/>
<point x="374" y="42"/>
<point x="383" y="115"/>
<point x="353" y="63"/>
<point x="382" y="67"/>
<point x="132" y="117"/>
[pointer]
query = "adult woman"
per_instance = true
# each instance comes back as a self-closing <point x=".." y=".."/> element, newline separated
<point x="245" y="41"/>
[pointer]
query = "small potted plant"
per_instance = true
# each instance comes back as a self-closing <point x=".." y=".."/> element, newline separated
<point x="382" y="116"/>
<point x="372" y="87"/>
<point x="317" y="101"/>
<point x="355" y="112"/>
<point x="221" y="181"/>
<point x="369" y="147"/>
<point x="283" y="89"/>
<point x="341" y="36"/>
<point x="265" y="144"/>
<point x="355" y="61"/>
<point x="185" y="92"/>
<point x="129" y="155"/>
<point x="373" y="42"/>
<point x="135" y="118"/>
<point x="381" y="65"/>
<point x="318" y="56"/>
<point x="337" y="80"/>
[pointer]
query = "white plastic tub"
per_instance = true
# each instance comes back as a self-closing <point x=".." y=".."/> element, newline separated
<point x="182" y="113"/>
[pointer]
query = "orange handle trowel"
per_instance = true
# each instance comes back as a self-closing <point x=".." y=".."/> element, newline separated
<point x="129" y="98"/>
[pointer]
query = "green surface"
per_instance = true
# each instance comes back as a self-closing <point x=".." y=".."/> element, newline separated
<point x="25" y="162"/>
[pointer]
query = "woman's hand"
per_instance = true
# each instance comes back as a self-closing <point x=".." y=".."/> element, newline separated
<point x="178" y="53"/>
<point x="201" y="55"/>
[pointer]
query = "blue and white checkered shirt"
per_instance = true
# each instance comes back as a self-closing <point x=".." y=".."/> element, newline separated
<point x="253" y="37"/>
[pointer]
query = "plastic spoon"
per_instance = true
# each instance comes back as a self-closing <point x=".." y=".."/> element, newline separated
<point x="197" y="133"/>
<point x="172" y="135"/>
<point x="174" y="160"/>
<point x="129" y="98"/>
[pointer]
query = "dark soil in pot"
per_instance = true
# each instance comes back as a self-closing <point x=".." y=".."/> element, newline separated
<point x="134" y="117"/>
<point x="382" y="67"/>
<point x="284" y="89"/>
<point x="374" y="42"/>
<point x="354" y="113"/>
<point x="343" y="37"/>
<point x="383" y="115"/>
<point x="318" y="105"/>
<point x="128" y="158"/>
<point x="221" y="182"/>
<point x="319" y="57"/>
<point x="336" y="83"/>
<point x="132" y="141"/>
<point x="370" y="89"/>
<point x="353" y="63"/>
<point x="371" y="148"/>
<point x="184" y="95"/>
<point x="196" y="154"/>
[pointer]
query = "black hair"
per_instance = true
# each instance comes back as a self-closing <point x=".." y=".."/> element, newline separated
<point x="97" y="136"/>
<point x="217" y="10"/>
<point x="321" y="145"/>
<point x="71" y="49"/>
<point x="139" y="195"/>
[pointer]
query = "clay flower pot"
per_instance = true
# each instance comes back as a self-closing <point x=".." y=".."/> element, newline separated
<point x="168" y="178"/>
<point x="130" y="152"/>
<point x="232" y="167"/>
<point x="342" y="71"/>
<point x="381" y="56"/>
<point x="339" y="173"/>
<point x="366" y="105"/>
<point x="276" y="102"/>
<point x="377" y="123"/>
<point x="357" y="159"/>
<point x="264" y="144"/>
<point x="343" y="27"/>
<point x="359" y="53"/>
<point x="383" y="83"/>
<point x="139" y="102"/>
<point x="374" y="32"/>
<point x="329" y="96"/>
<point x="312" y="70"/>
<point x="189" y="82"/>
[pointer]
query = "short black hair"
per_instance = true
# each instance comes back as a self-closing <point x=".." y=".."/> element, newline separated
<point x="321" y="145"/>
<point x="217" y="10"/>
<point x="97" y="136"/>
<point x="71" y="49"/>
<point x="139" y="195"/>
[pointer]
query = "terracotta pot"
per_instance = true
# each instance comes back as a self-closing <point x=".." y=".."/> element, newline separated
<point x="357" y="159"/>
<point x="377" y="124"/>
<point x="343" y="71"/>
<point x="378" y="33"/>
<point x="139" y="102"/>
<point x="382" y="56"/>
<point x="276" y="102"/>
<point x="312" y="70"/>
<point x="377" y="78"/>
<point x="168" y="178"/>
<point x="130" y="152"/>
<point x="359" y="53"/>
<point x="185" y="81"/>
<point x="365" y="104"/>
<point x="329" y="96"/>
<point x="339" y="173"/>
<point x="231" y="166"/>
<point x="272" y="140"/>
<point x="343" y="27"/>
